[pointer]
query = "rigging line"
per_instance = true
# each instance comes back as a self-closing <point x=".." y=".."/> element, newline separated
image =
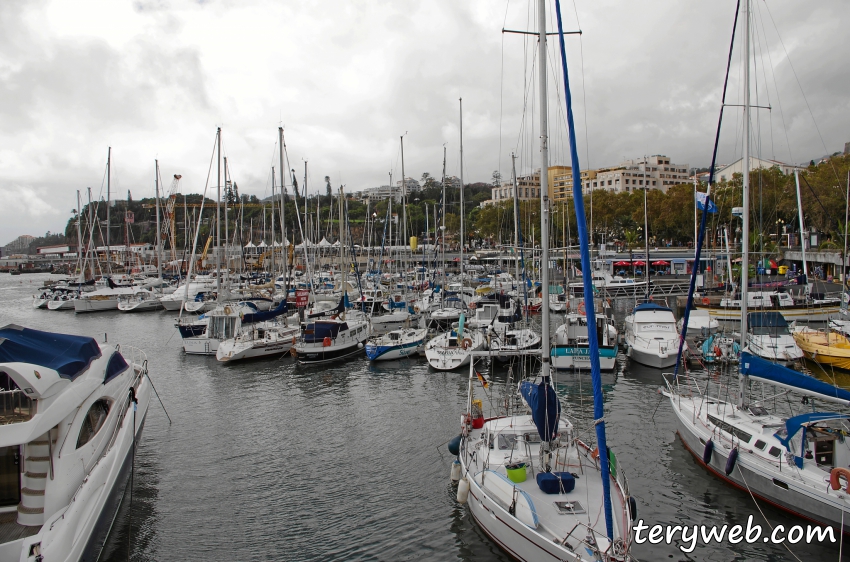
<point x="809" y="107"/>
<point x="583" y="92"/>
<point x="501" y="94"/>
<point x="763" y="46"/>
<point x="828" y="215"/>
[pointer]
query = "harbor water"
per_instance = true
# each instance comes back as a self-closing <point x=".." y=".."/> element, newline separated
<point x="270" y="460"/>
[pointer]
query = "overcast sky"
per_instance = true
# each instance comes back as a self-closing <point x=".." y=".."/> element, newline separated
<point x="154" y="78"/>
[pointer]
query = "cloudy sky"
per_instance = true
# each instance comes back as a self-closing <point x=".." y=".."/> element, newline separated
<point x="154" y="78"/>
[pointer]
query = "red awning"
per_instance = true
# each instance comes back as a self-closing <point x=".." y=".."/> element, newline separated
<point x="661" y="262"/>
<point x="622" y="263"/>
<point x="639" y="263"/>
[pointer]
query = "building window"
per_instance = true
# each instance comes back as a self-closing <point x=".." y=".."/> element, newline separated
<point x="653" y="182"/>
<point x="627" y="181"/>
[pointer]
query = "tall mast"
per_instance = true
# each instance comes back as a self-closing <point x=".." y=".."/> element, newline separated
<point x="544" y="190"/>
<point x="516" y="218"/>
<point x="158" y="234"/>
<point x="108" y="204"/>
<point x="646" y="228"/>
<point x="226" y="222"/>
<point x="91" y="235"/>
<point x="272" y="268"/>
<point x="403" y="197"/>
<point x="82" y="276"/>
<point x="283" y="215"/>
<point x="443" y="225"/>
<point x="461" y="193"/>
<point x="218" y="218"/>
<point x="745" y="242"/>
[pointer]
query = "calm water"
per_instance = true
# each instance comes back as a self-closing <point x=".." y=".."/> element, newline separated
<point x="273" y="461"/>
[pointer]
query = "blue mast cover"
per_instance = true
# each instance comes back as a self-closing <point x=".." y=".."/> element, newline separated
<point x="757" y="367"/>
<point x="267" y="315"/>
<point x="68" y="355"/>
<point x="545" y="407"/>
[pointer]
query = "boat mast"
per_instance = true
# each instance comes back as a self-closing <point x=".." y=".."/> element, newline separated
<point x="272" y="267"/>
<point x="443" y="225"/>
<point x="544" y="191"/>
<point x="108" y="199"/>
<point x="404" y="239"/>
<point x="516" y="219"/>
<point x="646" y="230"/>
<point x="745" y="242"/>
<point x="218" y="218"/>
<point x="802" y="232"/>
<point x="461" y="198"/>
<point x="80" y="265"/>
<point x="283" y="217"/>
<point x="158" y="235"/>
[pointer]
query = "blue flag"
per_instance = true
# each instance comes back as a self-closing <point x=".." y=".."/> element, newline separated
<point x="701" y="200"/>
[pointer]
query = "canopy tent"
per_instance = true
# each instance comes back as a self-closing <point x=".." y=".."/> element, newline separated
<point x="661" y="262"/>
<point x="622" y="263"/>
<point x="639" y="262"/>
<point x="324" y="243"/>
<point x="250" y="245"/>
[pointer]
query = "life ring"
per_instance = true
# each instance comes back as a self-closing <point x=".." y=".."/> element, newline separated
<point x="705" y="301"/>
<point x="581" y="308"/>
<point x="717" y="351"/>
<point x="326" y="342"/>
<point x="293" y="352"/>
<point x="227" y="310"/>
<point x="294" y="340"/>
<point x="835" y="478"/>
<point x="466" y="343"/>
<point x="472" y="305"/>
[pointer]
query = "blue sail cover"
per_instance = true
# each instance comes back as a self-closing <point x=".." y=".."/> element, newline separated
<point x="545" y="407"/>
<point x="67" y="355"/>
<point x="763" y="369"/>
<point x="766" y="320"/>
<point x="793" y="425"/>
<point x="267" y="315"/>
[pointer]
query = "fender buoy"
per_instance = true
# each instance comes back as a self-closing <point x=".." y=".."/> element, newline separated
<point x="717" y="351"/>
<point x="705" y="301"/>
<point x="293" y="352"/>
<point x="835" y="478"/>
<point x="632" y="508"/>
<point x="326" y="342"/>
<point x="466" y="343"/>
<point x="706" y="453"/>
<point x="463" y="490"/>
<point x="294" y="340"/>
<point x="454" y="446"/>
<point x="581" y="308"/>
<point x="227" y="310"/>
<point x="730" y="462"/>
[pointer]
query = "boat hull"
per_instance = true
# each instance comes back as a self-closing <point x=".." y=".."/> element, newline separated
<point x="315" y="356"/>
<point x="95" y="305"/>
<point x="652" y="359"/>
<point x="820" y="313"/>
<point x="760" y="482"/>
<point x="391" y="352"/>
<point x="567" y="358"/>
<point x="61" y="305"/>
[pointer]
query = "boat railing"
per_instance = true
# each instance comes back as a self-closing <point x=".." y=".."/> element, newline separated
<point x="134" y="356"/>
<point x="15" y="406"/>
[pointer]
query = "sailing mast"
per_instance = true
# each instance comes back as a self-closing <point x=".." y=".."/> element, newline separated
<point x="108" y="198"/>
<point x="745" y="242"/>
<point x="646" y="230"/>
<point x="80" y="264"/>
<point x="462" y="239"/>
<point x="544" y="195"/>
<point x="283" y="217"/>
<point x="272" y="267"/>
<point x="158" y="235"/>
<point x="218" y="218"/>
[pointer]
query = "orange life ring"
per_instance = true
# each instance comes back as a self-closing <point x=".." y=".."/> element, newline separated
<point x="326" y="342"/>
<point x="466" y="343"/>
<point x="835" y="478"/>
<point x="581" y="308"/>
<point x="705" y="301"/>
<point x="293" y="352"/>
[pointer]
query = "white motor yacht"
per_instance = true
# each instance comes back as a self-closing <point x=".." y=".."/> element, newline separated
<point x="263" y="339"/>
<point x="71" y="412"/>
<point x="700" y="323"/>
<point x="768" y="337"/>
<point x="322" y="341"/>
<point x="651" y="335"/>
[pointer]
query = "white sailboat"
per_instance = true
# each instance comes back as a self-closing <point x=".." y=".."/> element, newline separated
<point x="517" y="471"/>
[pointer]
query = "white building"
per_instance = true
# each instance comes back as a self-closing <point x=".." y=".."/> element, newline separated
<point x="383" y="192"/>
<point x="411" y="185"/>
<point x="528" y="189"/>
<point x="726" y="172"/>
<point x="655" y="172"/>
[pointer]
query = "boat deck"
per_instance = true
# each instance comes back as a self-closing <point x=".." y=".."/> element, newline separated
<point x="10" y="530"/>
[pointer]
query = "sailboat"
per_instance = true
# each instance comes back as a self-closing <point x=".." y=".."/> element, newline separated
<point x="517" y="471"/>
<point x="794" y="462"/>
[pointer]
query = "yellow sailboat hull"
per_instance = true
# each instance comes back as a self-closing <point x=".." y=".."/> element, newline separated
<point x="827" y="348"/>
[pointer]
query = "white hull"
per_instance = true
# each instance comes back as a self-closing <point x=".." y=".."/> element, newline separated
<point x="650" y="358"/>
<point x="61" y="305"/>
<point x="95" y="305"/>
<point x="200" y="346"/>
<point x="443" y="356"/>
<point x="143" y="306"/>
<point x="802" y="314"/>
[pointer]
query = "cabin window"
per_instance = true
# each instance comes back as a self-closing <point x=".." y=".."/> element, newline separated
<point x="10" y="475"/>
<point x="760" y="445"/>
<point x="93" y="421"/>
<point x="774" y="451"/>
<point x="730" y="429"/>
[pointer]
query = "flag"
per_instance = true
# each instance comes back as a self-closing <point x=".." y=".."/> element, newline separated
<point x="484" y="382"/>
<point x="701" y="200"/>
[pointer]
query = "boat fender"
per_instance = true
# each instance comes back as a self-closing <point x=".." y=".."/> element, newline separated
<point x="730" y="462"/>
<point x="463" y="490"/>
<point x="293" y="352"/>
<point x="472" y="305"/>
<point x="632" y="508"/>
<point x="466" y="343"/>
<point x="360" y="345"/>
<point x="717" y="351"/>
<point x="706" y="454"/>
<point x="705" y="301"/>
<point x="326" y="342"/>
<point x="227" y="310"/>
<point x="455" y="470"/>
<point x="454" y="447"/>
<point x="294" y="340"/>
<point x="835" y="478"/>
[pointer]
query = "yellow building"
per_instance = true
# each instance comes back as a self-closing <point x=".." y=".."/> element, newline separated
<point x="561" y="183"/>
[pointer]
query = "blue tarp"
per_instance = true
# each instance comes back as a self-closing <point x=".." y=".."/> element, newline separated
<point x="650" y="306"/>
<point x="761" y="368"/>
<point x="766" y="320"/>
<point x="793" y="425"/>
<point x="67" y="355"/>
<point x="545" y="407"/>
<point x="267" y="315"/>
